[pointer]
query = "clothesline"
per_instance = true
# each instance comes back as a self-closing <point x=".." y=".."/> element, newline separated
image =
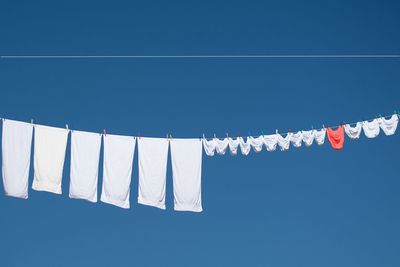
<point x="227" y="56"/>
<point x="169" y="135"/>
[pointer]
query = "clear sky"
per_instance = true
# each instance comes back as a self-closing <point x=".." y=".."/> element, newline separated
<point x="305" y="207"/>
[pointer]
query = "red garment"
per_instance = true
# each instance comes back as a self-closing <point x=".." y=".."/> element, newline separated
<point x="336" y="137"/>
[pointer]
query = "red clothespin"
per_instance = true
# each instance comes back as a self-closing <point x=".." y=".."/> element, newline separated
<point x="104" y="132"/>
<point x="138" y="135"/>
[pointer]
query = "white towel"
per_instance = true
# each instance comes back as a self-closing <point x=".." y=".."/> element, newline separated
<point x="353" y="132"/>
<point x="319" y="136"/>
<point x="49" y="155"/>
<point x="244" y="146"/>
<point x="297" y="139"/>
<point x="389" y="126"/>
<point x="153" y="156"/>
<point x="233" y="145"/>
<point x="308" y="137"/>
<point x="117" y="169"/>
<point x="257" y="143"/>
<point x="221" y="145"/>
<point x="17" y="142"/>
<point x="371" y="128"/>
<point x="85" y="153"/>
<point x="186" y="156"/>
<point x="270" y="142"/>
<point x="284" y="142"/>
<point x="209" y="146"/>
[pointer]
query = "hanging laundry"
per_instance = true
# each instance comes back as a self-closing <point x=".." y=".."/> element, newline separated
<point x="270" y="142"/>
<point x="209" y="146"/>
<point x="244" y="146"/>
<point x="389" y="126"/>
<point x="308" y="137"/>
<point x="319" y="136"/>
<point x="17" y="142"/>
<point x="233" y="145"/>
<point x="186" y="156"/>
<point x="353" y="132"/>
<point x="371" y="128"/>
<point x="49" y="155"/>
<point x="153" y="156"/>
<point x="336" y="137"/>
<point x="85" y="154"/>
<point x="117" y="169"/>
<point x="297" y="139"/>
<point x="284" y="142"/>
<point x="257" y="143"/>
<point x="221" y="145"/>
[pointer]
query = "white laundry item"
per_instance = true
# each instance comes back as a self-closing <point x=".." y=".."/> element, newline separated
<point x="244" y="146"/>
<point x="153" y="156"/>
<point x="186" y="156"/>
<point x="353" y="132"/>
<point x="389" y="126"/>
<point x="257" y="143"/>
<point x="209" y="146"/>
<point x="319" y="136"/>
<point x="221" y="145"/>
<point x="17" y="142"/>
<point x="270" y="142"/>
<point x="297" y="139"/>
<point x="49" y="155"/>
<point x="117" y="169"/>
<point x="233" y="145"/>
<point x="284" y="142"/>
<point x="85" y="154"/>
<point x="308" y="137"/>
<point x="371" y="128"/>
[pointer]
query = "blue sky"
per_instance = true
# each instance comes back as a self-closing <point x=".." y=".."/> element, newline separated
<point x="305" y="207"/>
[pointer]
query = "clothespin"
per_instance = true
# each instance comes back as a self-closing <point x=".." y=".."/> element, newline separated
<point x="262" y="133"/>
<point x="138" y="135"/>
<point x="215" y="136"/>
<point x="31" y="121"/>
<point x="170" y="136"/>
<point x="204" y="136"/>
<point x="227" y="135"/>
<point x="66" y="126"/>
<point x="238" y="135"/>
<point x="312" y="127"/>
<point x="323" y="126"/>
<point x="104" y="132"/>
<point x="276" y="131"/>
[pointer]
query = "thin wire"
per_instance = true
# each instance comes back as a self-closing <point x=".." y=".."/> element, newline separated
<point x="377" y="56"/>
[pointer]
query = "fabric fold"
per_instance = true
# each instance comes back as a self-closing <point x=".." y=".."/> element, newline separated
<point x="49" y="155"/>
<point x="221" y="145"/>
<point x="117" y="169"/>
<point x="257" y="143"/>
<point x="336" y="137"/>
<point x="209" y="146"/>
<point x="353" y="132"/>
<point x="371" y="128"/>
<point x="284" y="142"/>
<point x="153" y="156"/>
<point x="17" y="144"/>
<point x="389" y="126"/>
<point x="319" y="136"/>
<point x="297" y="139"/>
<point x="186" y="157"/>
<point x="244" y="145"/>
<point x="270" y="142"/>
<point x="85" y="154"/>
<point x="233" y="145"/>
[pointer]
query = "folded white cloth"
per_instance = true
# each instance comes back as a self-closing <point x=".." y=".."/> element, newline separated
<point x="257" y="143"/>
<point x="233" y="145"/>
<point x="17" y="142"/>
<point x="186" y="156"/>
<point x="244" y="146"/>
<point x="319" y="136"/>
<point x="353" y="132"/>
<point x="49" y="155"/>
<point x="389" y="126"/>
<point x="308" y="137"/>
<point x="209" y="146"/>
<point x="284" y="142"/>
<point x="221" y="145"/>
<point x="117" y="169"/>
<point x="297" y="139"/>
<point x="85" y="154"/>
<point x="270" y="142"/>
<point x="371" y="128"/>
<point x="153" y="156"/>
